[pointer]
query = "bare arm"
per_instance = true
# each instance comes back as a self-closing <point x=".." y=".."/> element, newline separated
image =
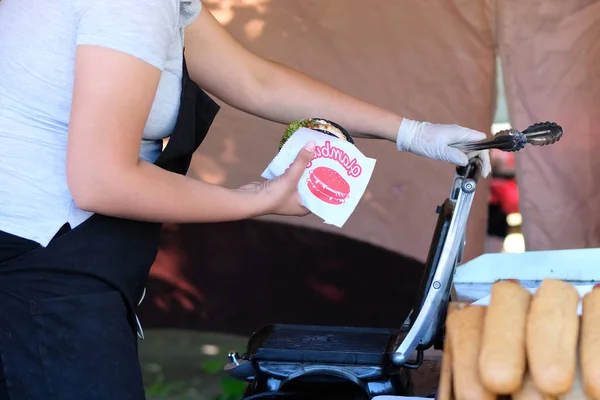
<point x="112" y="96"/>
<point x="260" y="87"/>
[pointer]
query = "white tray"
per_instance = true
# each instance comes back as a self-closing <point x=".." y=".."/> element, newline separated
<point x="473" y="280"/>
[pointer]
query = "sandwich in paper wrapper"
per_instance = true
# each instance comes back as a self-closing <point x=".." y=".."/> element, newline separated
<point x="337" y="176"/>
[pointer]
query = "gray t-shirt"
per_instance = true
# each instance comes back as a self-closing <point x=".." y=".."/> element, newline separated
<point x="37" y="58"/>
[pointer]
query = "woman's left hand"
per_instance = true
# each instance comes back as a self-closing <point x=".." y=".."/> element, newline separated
<point x="280" y="195"/>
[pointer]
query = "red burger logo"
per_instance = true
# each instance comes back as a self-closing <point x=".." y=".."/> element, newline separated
<point x="334" y="153"/>
<point x="328" y="186"/>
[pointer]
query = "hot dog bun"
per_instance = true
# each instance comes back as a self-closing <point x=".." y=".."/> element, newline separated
<point x="576" y="392"/>
<point x="528" y="391"/>
<point x="444" y="391"/>
<point x="590" y="343"/>
<point x="502" y="360"/>
<point x="551" y="336"/>
<point x="465" y="327"/>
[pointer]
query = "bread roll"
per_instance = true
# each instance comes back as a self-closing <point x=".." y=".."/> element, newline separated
<point x="464" y="328"/>
<point x="502" y="360"/>
<point x="551" y="335"/>
<point x="528" y="391"/>
<point x="590" y="343"/>
<point x="444" y="391"/>
<point x="576" y="392"/>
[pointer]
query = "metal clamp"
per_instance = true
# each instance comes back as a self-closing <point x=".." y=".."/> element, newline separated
<point x="540" y="134"/>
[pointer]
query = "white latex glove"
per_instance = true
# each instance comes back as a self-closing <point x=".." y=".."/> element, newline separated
<point x="433" y="141"/>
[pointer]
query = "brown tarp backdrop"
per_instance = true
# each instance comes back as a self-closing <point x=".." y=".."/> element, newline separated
<point x="430" y="60"/>
<point x="551" y="56"/>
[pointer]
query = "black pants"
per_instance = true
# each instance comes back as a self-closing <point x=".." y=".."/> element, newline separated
<point x="11" y="247"/>
<point x="58" y="320"/>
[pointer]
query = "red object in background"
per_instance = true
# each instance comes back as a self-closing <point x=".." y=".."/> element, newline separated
<point x="504" y="191"/>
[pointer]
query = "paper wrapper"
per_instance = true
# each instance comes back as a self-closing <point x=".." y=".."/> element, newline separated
<point x="333" y="182"/>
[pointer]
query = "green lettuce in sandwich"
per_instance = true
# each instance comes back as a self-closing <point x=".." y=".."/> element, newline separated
<point x="318" y="124"/>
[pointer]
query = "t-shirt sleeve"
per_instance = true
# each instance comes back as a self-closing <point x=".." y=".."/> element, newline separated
<point x="141" y="28"/>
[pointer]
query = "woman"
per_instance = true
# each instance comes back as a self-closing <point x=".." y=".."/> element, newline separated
<point x="88" y="90"/>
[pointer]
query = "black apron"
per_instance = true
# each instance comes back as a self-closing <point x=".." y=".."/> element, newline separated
<point x="67" y="311"/>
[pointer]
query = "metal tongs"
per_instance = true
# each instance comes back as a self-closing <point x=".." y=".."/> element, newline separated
<point x="540" y="134"/>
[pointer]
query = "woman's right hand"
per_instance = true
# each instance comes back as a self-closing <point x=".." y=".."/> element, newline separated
<point x="436" y="140"/>
<point x="280" y="195"/>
